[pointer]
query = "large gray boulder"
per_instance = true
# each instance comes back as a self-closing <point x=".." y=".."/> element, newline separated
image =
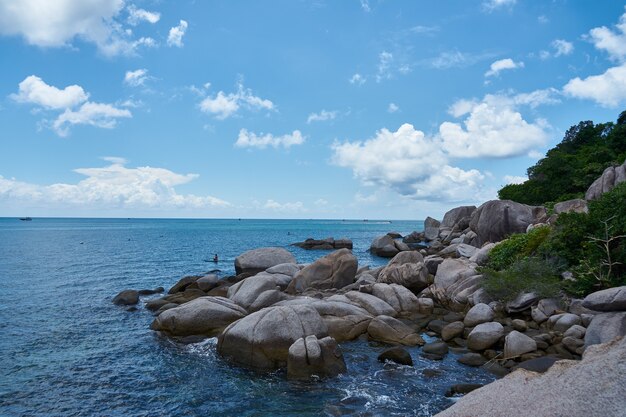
<point x="246" y="292"/>
<point x="516" y="344"/>
<point x="389" y="330"/>
<point x="335" y="270"/>
<point x="606" y="182"/>
<point x="398" y="297"/>
<point x="431" y="228"/>
<point x="588" y="388"/>
<point x="202" y="316"/>
<point x="374" y="305"/>
<point x="577" y="205"/>
<point x="261" y="341"/>
<point x="387" y="247"/>
<point x="495" y="220"/>
<point x="485" y="335"/>
<point x="481" y="256"/>
<point x="454" y="216"/>
<point x="605" y="327"/>
<point x="312" y="356"/>
<point x="480" y="313"/>
<point x="406" y="269"/>
<point x="257" y="260"/>
<point x="612" y="299"/>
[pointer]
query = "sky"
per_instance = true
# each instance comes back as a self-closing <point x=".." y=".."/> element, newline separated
<point x="355" y="109"/>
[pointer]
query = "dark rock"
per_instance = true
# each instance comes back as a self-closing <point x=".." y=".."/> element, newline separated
<point x="539" y="365"/>
<point x="462" y="389"/>
<point x="157" y="290"/>
<point x="522" y="302"/>
<point x="312" y="356"/>
<point x="389" y="330"/>
<point x="324" y="244"/>
<point x="452" y="330"/>
<point x="436" y="325"/>
<point x="435" y="348"/>
<point x="182" y="284"/>
<point x="397" y="355"/>
<point x="472" y="359"/>
<point x="154" y="305"/>
<point x="126" y="298"/>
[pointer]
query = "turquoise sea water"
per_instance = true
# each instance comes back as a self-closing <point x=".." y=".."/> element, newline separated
<point x="68" y="351"/>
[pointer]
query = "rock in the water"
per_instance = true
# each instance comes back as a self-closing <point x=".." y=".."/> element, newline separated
<point x="335" y="270"/>
<point x="516" y="344"/>
<point x="612" y="299"/>
<point x="182" y="284"/>
<point x="126" y="298"/>
<point x="606" y="182"/>
<point x="325" y="244"/>
<point x="311" y="356"/>
<point x="485" y="335"/>
<point x="472" y="359"/>
<point x="480" y="313"/>
<point x="435" y="348"/>
<point x="262" y="340"/>
<point x="605" y="327"/>
<point x="406" y="269"/>
<point x="389" y="330"/>
<point x="587" y="388"/>
<point x="576" y="205"/>
<point x="202" y="316"/>
<point x="431" y="228"/>
<point x="207" y="282"/>
<point x="497" y="219"/>
<point x="397" y="355"/>
<point x="387" y="247"/>
<point x="257" y="260"/>
<point x="452" y="330"/>
<point x="247" y="291"/>
<point x="462" y="389"/>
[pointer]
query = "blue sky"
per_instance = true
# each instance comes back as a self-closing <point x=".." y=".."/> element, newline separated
<point x="292" y="109"/>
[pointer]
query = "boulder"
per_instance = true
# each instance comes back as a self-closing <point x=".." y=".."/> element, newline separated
<point x="522" y="302"/>
<point x="484" y="336"/>
<point x="432" y="262"/>
<point x="576" y="331"/>
<point x="452" y="330"/>
<point x="397" y="296"/>
<point x="562" y="322"/>
<point x="516" y="344"/>
<point x="406" y="269"/>
<point x="247" y="291"/>
<point x="606" y="182"/>
<point x="539" y="365"/>
<point x="389" y="330"/>
<point x="438" y="349"/>
<point x="311" y="356"/>
<point x="519" y="325"/>
<point x="431" y="228"/>
<point x="261" y="341"/>
<point x="586" y="388"/>
<point x="461" y="389"/>
<point x="348" y="327"/>
<point x="126" y="298"/>
<point x="576" y="205"/>
<point x="495" y="220"/>
<point x="387" y="247"/>
<point x="257" y="260"/>
<point x="480" y="313"/>
<point x="335" y="270"/>
<point x="374" y="305"/>
<point x="466" y="251"/>
<point x="397" y="355"/>
<point x="288" y="269"/>
<point x="472" y="359"/>
<point x="481" y="256"/>
<point x="157" y="290"/>
<point x="324" y="244"/>
<point x="605" y="327"/>
<point x="207" y="282"/>
<point x="266" y="299"/>
<point x="452" y="270"/>
<point x="202" y="316"/>
<point x="454" y="216"/>
<point x="612" y="299"/>
<point x="182" y="284"/>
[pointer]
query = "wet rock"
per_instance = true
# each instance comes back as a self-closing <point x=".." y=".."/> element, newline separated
<point x="389" y="330"/>
<point x="183" y="283"/>
<point x="438" y="349"/>
<point x="335" y="270"/>
<point x="157" y="290"/>
<point x="312" y="356"/>
<point x="612" y="299"/>
<point x="485" y="335"/>
<point x="461" y="389"/>
<point x="397" y="355"/>
<point x="126" y="298"/>
<point x="437" y="325"/>
<point x="257" y="260"/>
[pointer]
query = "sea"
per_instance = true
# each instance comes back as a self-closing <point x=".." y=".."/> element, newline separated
<point x="66" y="350"/>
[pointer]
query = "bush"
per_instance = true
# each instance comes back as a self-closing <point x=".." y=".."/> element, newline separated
<point x="531" y="274"/>
<point x="517" y="246"/>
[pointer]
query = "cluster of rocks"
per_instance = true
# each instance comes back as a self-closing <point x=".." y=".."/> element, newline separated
<point x="324" y="244"/>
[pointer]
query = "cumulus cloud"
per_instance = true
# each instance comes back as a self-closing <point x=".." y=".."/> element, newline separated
<point x="136" y="78"/>
<point x="175" y="36"/>
<point x="384" y="66"/>
<point x="136" y="16"/>
<point x="57" y="23"/>
<point x="562" y="47"/>
<point x="610" y="41"/>
<point x="515" y="179"/>
<point x="492" y="5"/>
<point x="501" y="65"/>
<point x="322" y="116"/>
<point x="224" y="105"/>
<point x="111" y="187"/>
<point x="33" y="90"/>
<point x="357" y="79"/>
<point x="251" y="140"/>
<point x="607" y="89"/>
<point x="392" y="108"/>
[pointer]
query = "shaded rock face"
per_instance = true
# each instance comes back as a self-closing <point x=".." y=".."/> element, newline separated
<point x="496" y="219"/>
<point x="387" y="247"/>
<point x="397" y="355"/>
<point x="312" y="356"/>
<point x="481" y="256"/>
<point x="606" y="182"/>
<point x="126" y="298"/>
<point x="202" y="316"/>
<point x="389" y="330"/>
<point x="325" y="244"/>
<point x="576" y="205"/>
<point x="406" y="269"/>
<point x="261" y="341"/>
<point x="584" y="388"/>
<point x="453" y="216"/>
<point x="516" y="344"/>
<point x="335" y="270"/>
<point x="605" y="327"/>
<point x="431" y="228"/>
<point x="612" y="299"/>
<point x="257" y="260"/>
<point x="452" y="330"/>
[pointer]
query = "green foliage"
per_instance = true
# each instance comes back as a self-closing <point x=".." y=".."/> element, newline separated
<point x="517" y="246"/>
<point x="569" y="168"/>
<point x="530" y="274"/>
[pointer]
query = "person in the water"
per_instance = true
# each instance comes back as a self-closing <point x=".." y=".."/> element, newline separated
<point x="215" y="258"/>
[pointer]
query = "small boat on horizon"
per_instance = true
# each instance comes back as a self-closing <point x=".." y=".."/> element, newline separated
<point x="25" y="219"/>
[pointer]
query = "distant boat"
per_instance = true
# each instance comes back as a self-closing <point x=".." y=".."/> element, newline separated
<point x="25" y="219"/>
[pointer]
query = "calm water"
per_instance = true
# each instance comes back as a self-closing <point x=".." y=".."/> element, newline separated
<point x="68" y="351"/>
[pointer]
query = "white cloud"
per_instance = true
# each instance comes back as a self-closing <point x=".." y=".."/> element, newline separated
<point x="409" y="163"/>
<point x="493" y="128"/>
<point x="111" y="187"/>
<point x="613" y="42"/>
<point x="251" y="140"/>
<point x="543" y="55"/>
<point x="491" y="5"/>
<point x="322" y="116"/>
<point x="365" y="5"/>
<point x="321" y="202"/>
<point x="421" y="29"/>
<point x="136" y="78"/>
<point x="537" y="97"/>
<point x="175" y="36"/>
<point x="562" y="47"/>
<point x="384" y="63"/>
<point x="224" y="105"/>
<point x="392" y="108"/>
<point x="543" y="19"/>
<point x="515" y="179"/>
<point x="607" y="89"/>
<point x="57" y="23"/>
<point x="94" y="114"/>
<point x="501" y="65"/>
<point x="357" y="79"/>
<point x="455" y="59"/>
<point x="296" y="207"/>
<point x="33" y="90"/>
<point x="136" y="16"/>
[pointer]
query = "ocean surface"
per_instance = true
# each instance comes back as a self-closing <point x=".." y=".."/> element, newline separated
<point x="66" y="350"/>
